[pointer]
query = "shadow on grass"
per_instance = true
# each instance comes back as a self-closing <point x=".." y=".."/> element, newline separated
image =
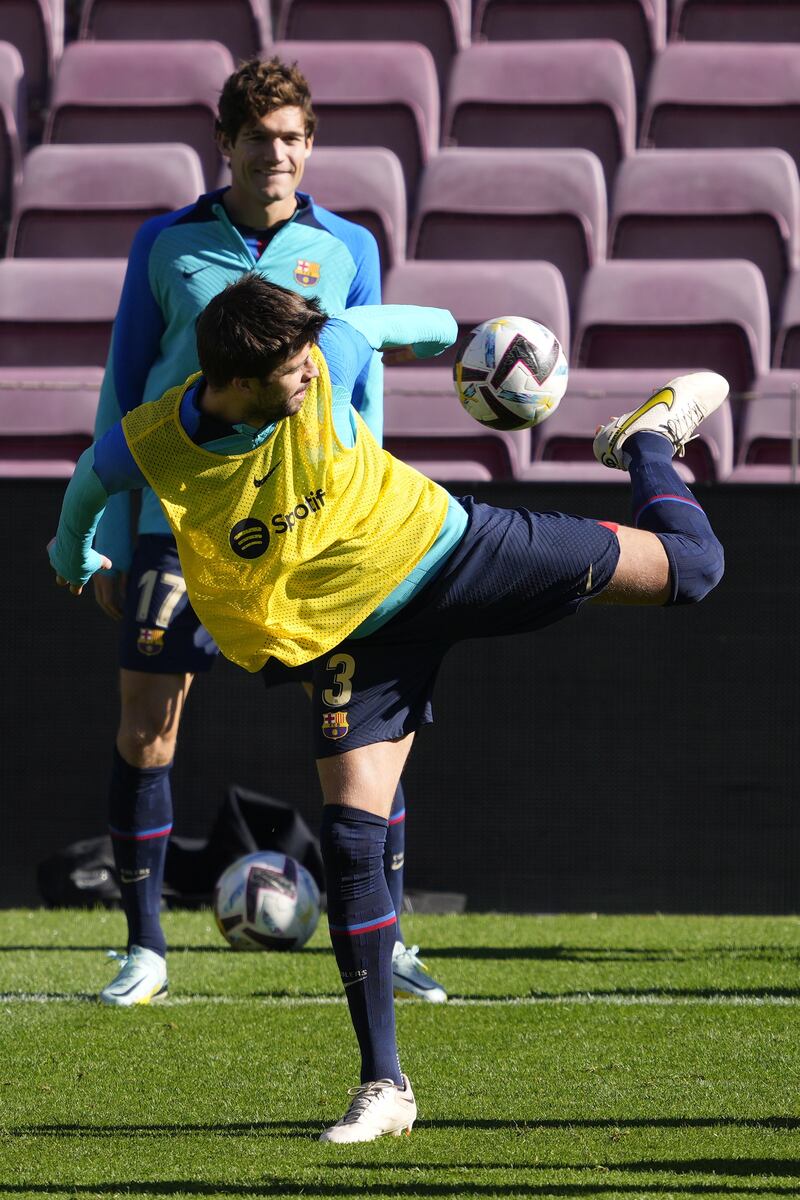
<point x="309" y="1128"/>
<point x="619" y="954"/>
<point x="427" y="1187"/>
<point x="565" y="954"/>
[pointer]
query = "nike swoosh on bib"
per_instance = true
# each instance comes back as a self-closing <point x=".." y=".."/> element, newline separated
<point x="261" y="482"/>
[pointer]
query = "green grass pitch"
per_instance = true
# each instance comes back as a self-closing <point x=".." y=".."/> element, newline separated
<point x="654" y="1057"/>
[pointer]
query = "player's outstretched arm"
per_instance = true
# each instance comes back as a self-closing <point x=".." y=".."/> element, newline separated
<point x="427" y="331"/>
<point x="70" y="552"/>
<point x="105" y="468"/>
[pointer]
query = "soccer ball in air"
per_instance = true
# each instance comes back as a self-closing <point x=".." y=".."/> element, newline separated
<point x="266" y="901"/>
<point x="511" y="374"/>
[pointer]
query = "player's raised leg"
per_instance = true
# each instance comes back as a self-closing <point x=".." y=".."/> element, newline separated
<point x="671" y="556"/>
<point x="358" y="788"/>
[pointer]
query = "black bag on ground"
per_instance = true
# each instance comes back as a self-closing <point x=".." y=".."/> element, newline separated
<point x="82" y="875"/>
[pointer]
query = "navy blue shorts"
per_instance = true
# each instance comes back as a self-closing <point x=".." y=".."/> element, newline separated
<point x="161" y="633"/>
<point x="514" y="571"/>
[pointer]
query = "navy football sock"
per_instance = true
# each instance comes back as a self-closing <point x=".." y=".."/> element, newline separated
<point x="362" y="922"/>
<point x="140" y="822"/>
<point x="394" y="854"/>
<point x="663" y="504"/>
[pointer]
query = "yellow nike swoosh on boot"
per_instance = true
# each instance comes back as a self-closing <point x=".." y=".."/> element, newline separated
<point x="664" y="396"/>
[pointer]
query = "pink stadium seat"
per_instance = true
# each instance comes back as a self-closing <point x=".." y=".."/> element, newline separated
<point x="88" y="201"/>
<point x="426" y="426"/>
<point x="769" y="431"/>
<point x="787" y="341"/>
<point x="11" y="108"/>
<point x="675" y="316"/>
<point x="140" y="92"/>
<point x="515" y="205"/>
<point x="736" y="20"/>
<point x="364" y="185"/>
<point x="593" y="398"/>
<point x="441" y="25"/>
<point x="476" y="291"/>
<point x="57" y="312"/>
<point x="638" y="25"/>
<point x="544" y="94"/>
<point x="373" y="94"/>
<point x="36" y="28"/>
<point x="46" y="419"/>
<point x="710" y="204"/>
<point x="243" y="26"/>
<point x="706" y="94"/>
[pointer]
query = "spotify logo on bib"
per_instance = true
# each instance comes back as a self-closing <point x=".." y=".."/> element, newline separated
<point x="249" y="538"/>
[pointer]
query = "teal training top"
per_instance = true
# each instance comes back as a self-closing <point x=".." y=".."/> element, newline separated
<point x="178" y="263"/>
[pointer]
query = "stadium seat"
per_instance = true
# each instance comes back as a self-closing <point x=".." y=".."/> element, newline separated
<point x="426" y="426"/>
<point x="441" y="25"/>
<point x="88" y="201"/>
<point x="476" y="291"/>
<point x="46" y="419"/>
<point x="244" y="26"/>
<point x="11" y="107"/>
<point x="675" y="317"/>
<point x="373" y="94"/>
<point x="57" y="312"/>
<point x="36" y="28"/>
<point x="141" y="92"/>
<point x="787" y="340"/>
<point x="638" y="25"/>
<point x="705" y="94"/>
<point x="710" y="204"/>
<point x="769" y="431"/>
<point x="735" y="20"/>
<point x="514" y="205"/>
<point x="544" y="94"/>
<point x="370" y="191"/>
<point x="593" y="398"/>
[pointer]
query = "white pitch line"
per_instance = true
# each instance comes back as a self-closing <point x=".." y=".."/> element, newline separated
<point x="644" y="999"/>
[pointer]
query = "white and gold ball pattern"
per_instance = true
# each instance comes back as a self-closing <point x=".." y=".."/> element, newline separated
<point x="511" y="374"/>
<point x="266" y="901"/>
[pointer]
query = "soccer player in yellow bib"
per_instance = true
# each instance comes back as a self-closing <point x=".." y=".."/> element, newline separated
<point x="310" y="543"/>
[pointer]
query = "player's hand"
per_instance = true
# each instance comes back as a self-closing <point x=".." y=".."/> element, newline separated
<point x="104" y="564"/>
<point x="395" y="356"/>
<point x="109" y="592"/>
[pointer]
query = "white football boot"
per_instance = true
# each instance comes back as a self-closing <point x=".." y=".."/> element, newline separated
<point x="142" y="979"/>
<point x="674" y="411"/>
<point x="410" y="976"/>
<point x="376" y="1109"/>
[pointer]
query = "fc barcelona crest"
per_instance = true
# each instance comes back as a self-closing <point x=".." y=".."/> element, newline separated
<point x="306" y="273"/>
<point x="150" y="641"/>
<point x="334" y="725"/>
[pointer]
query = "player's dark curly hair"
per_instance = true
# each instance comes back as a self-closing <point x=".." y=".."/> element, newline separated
<point x="259" y="87"/>
<point x="252" y="327"/>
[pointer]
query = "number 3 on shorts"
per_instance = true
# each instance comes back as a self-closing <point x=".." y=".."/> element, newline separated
<point x="342" y="667"/>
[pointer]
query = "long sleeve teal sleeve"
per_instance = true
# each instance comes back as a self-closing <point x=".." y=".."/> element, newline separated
<point x="71" y="553"/>
<point x="429" y="331"/>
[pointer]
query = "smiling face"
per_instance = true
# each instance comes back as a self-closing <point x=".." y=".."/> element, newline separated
<point x="267" y="160"/>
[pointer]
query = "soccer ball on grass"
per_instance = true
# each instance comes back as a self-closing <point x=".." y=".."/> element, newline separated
<point x="266" y="901"/>
<point x="511" y="374"/>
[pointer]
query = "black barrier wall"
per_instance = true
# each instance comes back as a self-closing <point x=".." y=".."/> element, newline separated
<point x="635" y="760"/>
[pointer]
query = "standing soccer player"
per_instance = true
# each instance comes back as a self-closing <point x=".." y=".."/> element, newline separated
<point x="178" y="262"/>
<point x="355" y="562"/>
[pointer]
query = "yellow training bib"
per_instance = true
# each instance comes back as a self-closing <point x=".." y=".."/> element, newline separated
<point x="287" y="548"/>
